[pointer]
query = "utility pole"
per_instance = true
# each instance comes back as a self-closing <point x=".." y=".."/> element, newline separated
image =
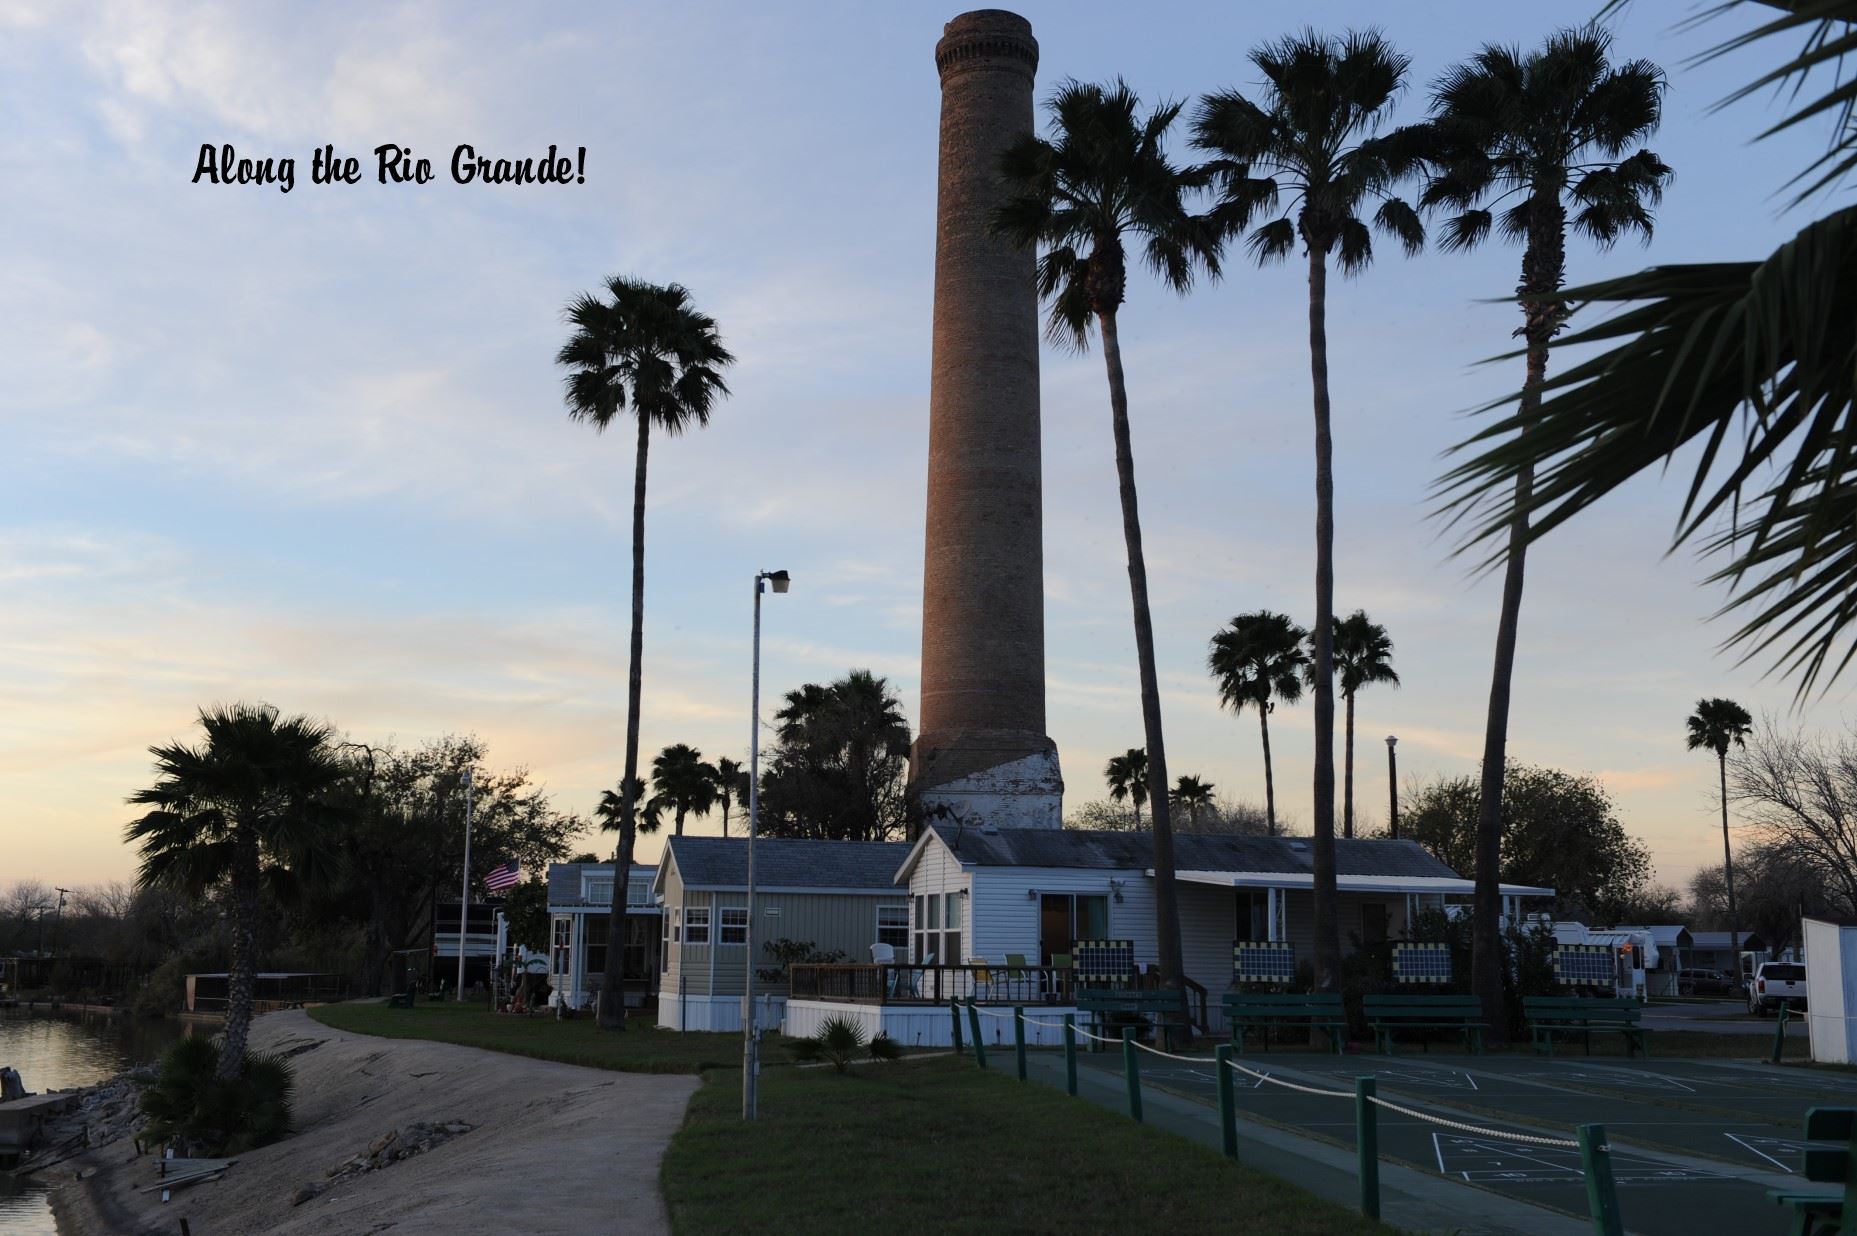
<point x="57" y="918"/>
<point x="464" y="896"/>
<point x="1392" y="785"/>
<point x="751" y="1035"/>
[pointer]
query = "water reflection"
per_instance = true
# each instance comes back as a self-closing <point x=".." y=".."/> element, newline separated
<point x="55" y="1050"/>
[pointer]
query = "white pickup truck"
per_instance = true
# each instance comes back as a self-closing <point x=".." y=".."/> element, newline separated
<point x="1776" y="983"/>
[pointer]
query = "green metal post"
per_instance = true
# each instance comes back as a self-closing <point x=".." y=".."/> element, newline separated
<point x="1367" y="1146"/>
<point x="1779" y="1033"/>
<point x="954" y="1015"/>
<point x="1601" y="1195"/>
<point x="1018" y="1038"/>
<point x="1133" y="1067"/>
<point x="1070" y="1054"/>
<point x="1228" y="1103"/>
<point x="973" y="1022"/>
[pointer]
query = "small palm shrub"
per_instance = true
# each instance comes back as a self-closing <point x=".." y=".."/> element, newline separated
<point x="840" y="1040"/>
<point x="188" y="1104"/>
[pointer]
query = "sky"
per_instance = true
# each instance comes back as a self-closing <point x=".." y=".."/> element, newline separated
<point x="310" y="448"/>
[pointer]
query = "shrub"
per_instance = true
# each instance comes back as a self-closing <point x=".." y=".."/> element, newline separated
<point x="839" y="1040"/>
<point x="188" y="1104"/>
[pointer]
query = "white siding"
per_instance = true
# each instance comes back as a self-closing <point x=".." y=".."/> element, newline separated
<point x="929" y="1026"/>
<point x="937" y="873"/>
<point x="1004" y="911"/>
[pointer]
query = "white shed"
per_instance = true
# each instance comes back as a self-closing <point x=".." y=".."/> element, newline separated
<point x="1831" y="1009"/>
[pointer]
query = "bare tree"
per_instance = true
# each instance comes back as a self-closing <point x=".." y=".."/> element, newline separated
<point x="1801" y="792"/>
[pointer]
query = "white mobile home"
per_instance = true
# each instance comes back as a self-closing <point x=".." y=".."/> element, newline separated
<point x="830" y="896"/>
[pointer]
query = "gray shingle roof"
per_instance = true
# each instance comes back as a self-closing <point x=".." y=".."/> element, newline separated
<point x="564" y="880"/>
<point x="1716" y="940"/>
<point x="1067" y="847"/>
<point x="786" y="862"/>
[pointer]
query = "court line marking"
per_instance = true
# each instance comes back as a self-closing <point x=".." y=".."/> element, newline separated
<point x="1741" y="1141"/>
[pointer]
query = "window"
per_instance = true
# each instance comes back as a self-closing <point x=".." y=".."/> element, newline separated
<point x="677" y="925"/>
<point x="951" y="920"/>
<point x="734" y="925"/>
<point x="893" y="926"/>
<point x="696" y="925"/>
<point x="637" y="889"/>
<point x="600" y="890"/>
<point x="598" y="925"/>
<point x="563" y="945"/>
<point x="664" y="945"/>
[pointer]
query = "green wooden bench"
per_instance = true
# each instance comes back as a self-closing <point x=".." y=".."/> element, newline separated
<point x="1829" y="1164"/>
<point x="1104" y="1003"/>
<point x="1392" y="1012"/>
<point x="1246" y="1011"/>
<point x="1584" y="1015"/>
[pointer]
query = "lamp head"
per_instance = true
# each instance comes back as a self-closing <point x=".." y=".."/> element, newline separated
<point x="779" y="579"/>
<point x="1391" y="741"/>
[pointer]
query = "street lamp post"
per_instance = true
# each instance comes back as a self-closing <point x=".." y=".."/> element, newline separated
<point x="1392" y="785"/>
<point x="464" y="895"/>
<point x="751" y="1038"/>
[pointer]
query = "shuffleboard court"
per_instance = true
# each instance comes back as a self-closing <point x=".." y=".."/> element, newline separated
<point x="1695" y="1144"/>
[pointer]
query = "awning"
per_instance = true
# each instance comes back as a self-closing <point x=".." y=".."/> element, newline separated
<point x="1350" y="883"/>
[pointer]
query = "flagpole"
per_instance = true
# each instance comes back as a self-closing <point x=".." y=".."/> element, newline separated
<point x="464" y="894"/>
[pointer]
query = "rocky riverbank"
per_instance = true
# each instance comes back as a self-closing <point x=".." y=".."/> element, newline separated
<point x="102" y="1115"/>
<point x="411" y="1136"/>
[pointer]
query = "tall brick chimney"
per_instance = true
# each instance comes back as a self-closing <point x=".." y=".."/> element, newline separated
<point x="982" y="757"/>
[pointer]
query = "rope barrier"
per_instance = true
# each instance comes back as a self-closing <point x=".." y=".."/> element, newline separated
<point x="1171" y="1056"/>
<point x="1277" y="1081"/>
<point x="1099" y="1038"/>
<point x="1565" y="1143"/>
<point x="990" y="1013"/>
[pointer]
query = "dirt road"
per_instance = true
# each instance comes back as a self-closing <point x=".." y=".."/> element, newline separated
<point x="555" y="1148"/>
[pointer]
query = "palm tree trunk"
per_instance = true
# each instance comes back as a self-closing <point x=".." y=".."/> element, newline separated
<point x="1543" y="266"/>
<point x="1734" y="922"/>
<point x="243" y="968"/>
<point x="680" y="814"/>
<point x="1166" y="901"/>
<point x="612" y="992"/>
<point x="1347" y="782"/>
<point x="1327" y="920"/>
<point x="725" y="819"/>
<point x="1270" y="784"/>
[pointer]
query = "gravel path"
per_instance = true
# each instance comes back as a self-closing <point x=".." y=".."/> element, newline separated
<point x="555" y="1148"/>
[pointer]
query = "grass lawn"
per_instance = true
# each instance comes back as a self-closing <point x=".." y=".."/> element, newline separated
<point x="642" y="1048"/>
<point x="937" y="1145"/>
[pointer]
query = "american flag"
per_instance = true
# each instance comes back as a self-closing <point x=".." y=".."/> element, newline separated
<point x="507" y="876"/>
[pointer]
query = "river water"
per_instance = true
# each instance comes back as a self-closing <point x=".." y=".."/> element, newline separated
<point x="54" y="1051"/>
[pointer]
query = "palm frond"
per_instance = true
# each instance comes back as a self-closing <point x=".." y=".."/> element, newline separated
<point x="1763" y="350"/>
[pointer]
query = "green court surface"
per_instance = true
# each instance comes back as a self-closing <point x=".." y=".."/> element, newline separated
<point x="1695" y="1143"/>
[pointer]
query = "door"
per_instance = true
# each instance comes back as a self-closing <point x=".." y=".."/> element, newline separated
<point x="1055" y="936"/>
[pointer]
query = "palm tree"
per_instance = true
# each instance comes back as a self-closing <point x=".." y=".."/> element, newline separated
<point x="1363" y="655"/>
<point x="613" y="805"/>
<point x="1750" y="359"/>
<point x="1127" y="775"/>
<point x="1716" y="725"/>
<point x="1314" y="142"/>
<point x="1258" y="659"/>
<point x="731" y="788"/>
<point x="1195" y="795"/>
<point x="685" y="784"/>
<point x="254" y="802"/>
<point x="1106" y="176"/>
<point x="1552" y="139"/>
<point x="647" y="350"/>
